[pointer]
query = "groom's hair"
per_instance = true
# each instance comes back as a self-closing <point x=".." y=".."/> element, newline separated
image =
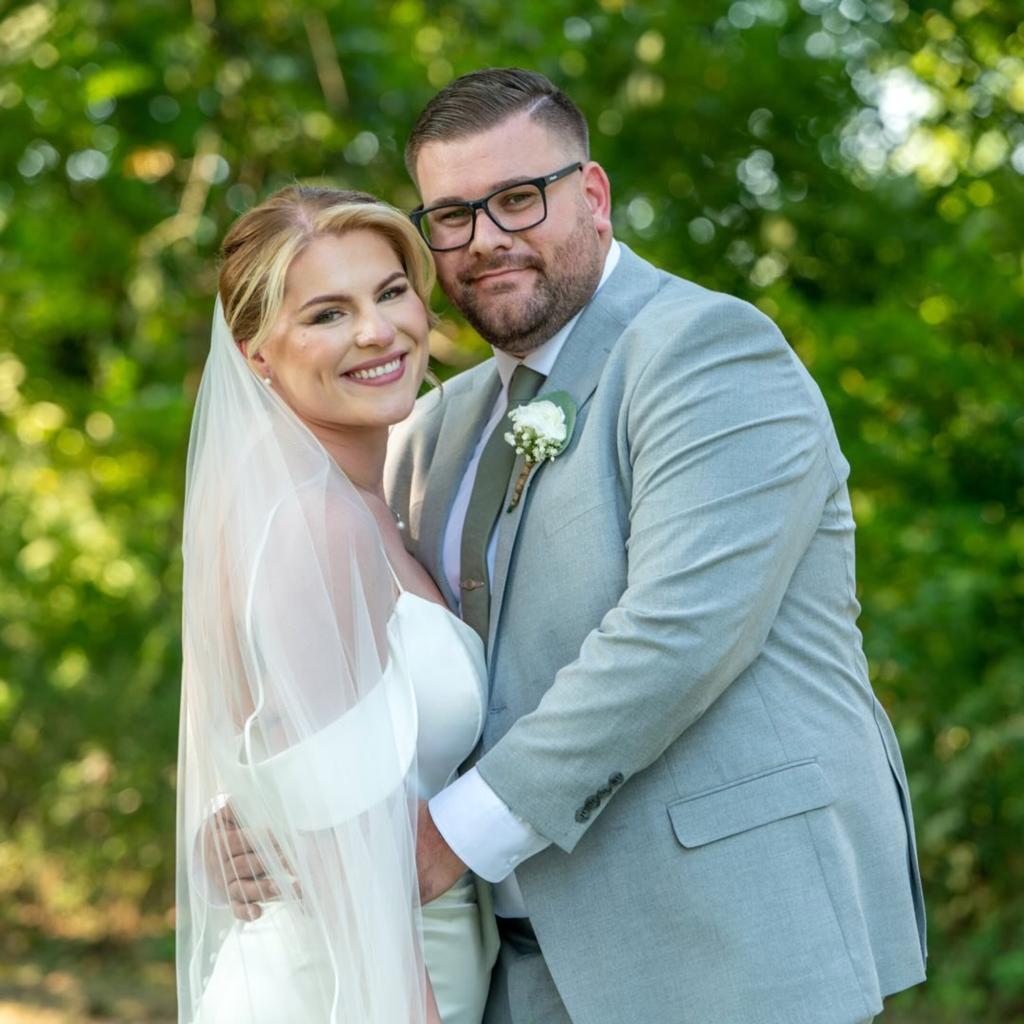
<point x="483" y="99"/>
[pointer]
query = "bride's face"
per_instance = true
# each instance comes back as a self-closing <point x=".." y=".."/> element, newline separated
<point x="349" y="348"/>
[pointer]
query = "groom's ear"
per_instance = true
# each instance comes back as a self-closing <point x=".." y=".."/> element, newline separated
<point x="597" y="191"/>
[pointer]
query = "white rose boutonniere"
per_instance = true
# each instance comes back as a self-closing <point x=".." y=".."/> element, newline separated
<point x="541" y="430"/>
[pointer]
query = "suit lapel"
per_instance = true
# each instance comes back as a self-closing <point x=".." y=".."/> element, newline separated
<point x="577" y="371"/>
<point x="466" y="415"/>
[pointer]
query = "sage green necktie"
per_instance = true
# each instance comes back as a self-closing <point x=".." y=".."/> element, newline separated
<point x="492" y="476"/>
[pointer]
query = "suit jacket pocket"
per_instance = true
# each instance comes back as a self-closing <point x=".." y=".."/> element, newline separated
<point x="750" y="802"/>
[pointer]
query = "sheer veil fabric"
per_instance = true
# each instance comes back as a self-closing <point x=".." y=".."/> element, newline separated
<point x="297" y="710"/>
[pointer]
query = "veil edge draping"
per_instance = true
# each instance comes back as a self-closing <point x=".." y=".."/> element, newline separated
<point x="297" y="719"/>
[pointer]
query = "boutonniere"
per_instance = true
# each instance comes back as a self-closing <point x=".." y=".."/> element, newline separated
<point x="541" y="430"/>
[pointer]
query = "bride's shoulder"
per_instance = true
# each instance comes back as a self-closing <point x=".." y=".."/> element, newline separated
<point x="324" y="507"/>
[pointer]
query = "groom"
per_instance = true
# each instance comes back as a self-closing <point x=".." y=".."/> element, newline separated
<point x="692" y="805"/>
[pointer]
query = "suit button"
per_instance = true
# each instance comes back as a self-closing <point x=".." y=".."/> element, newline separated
<point x="590" y="803"/>
<point x="582" y="814"/>
<point x="616" y="779"/>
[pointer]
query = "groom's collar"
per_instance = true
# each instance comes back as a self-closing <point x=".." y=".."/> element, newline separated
<point x="543" y="357"/>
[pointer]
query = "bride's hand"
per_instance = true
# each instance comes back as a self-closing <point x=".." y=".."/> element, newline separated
<point x="234" y="866"/>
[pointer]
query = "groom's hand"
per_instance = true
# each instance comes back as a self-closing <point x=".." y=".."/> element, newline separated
<point x="438" y="866"/>
<point x="234" y="867"/>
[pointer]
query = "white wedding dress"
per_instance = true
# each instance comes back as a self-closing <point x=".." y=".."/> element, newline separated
<point x="271" y="970"/>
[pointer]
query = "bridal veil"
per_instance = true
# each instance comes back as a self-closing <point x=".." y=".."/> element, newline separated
<point x="297" y="720"/>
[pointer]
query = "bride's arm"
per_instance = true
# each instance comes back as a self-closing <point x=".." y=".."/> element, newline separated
<point x="274" y="690"/>
<point x="331" y="739"/>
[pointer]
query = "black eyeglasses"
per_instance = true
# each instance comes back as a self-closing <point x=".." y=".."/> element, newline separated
<point x="513" y="208"/>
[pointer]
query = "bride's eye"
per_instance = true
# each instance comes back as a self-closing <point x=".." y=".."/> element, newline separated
<point x="393" y="292"/>
<point x="326" y="316"/>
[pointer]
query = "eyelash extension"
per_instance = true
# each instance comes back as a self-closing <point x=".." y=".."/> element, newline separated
<point x="398" y="289"/>
<point x="319" y="318"/>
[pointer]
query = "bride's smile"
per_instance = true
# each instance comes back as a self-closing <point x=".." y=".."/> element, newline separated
<point x="377" y="372"/>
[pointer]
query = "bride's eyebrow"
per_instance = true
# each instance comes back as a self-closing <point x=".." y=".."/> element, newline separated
<point x="395" y="275"/>
<point x="332" y="297"/>
<point x="342" y="297"/>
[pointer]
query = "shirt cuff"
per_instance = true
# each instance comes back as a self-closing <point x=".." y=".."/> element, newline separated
<point x="481" y="829"/>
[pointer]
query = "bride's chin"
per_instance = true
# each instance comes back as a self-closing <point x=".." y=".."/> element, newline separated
<point x="401" y="413"/>
<point x="393" y="412"/>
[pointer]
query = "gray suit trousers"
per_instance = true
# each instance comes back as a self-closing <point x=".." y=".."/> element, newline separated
<point x="522" y="989"/>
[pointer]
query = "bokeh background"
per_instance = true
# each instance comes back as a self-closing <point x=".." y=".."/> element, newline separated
<point x="854" y="167"/>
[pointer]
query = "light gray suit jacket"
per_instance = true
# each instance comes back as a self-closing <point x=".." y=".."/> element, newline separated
<point x="679" y="698"/>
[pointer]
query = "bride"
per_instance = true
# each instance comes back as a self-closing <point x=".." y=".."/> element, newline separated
<point x="326" y="688"/>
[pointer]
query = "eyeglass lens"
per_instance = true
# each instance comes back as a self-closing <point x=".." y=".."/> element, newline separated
<point x="515" y="209"/>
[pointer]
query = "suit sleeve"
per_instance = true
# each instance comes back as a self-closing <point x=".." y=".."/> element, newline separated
<point x="728" y="449"/>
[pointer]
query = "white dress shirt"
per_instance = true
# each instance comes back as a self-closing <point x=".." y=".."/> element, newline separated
<point x="475" y="822"/>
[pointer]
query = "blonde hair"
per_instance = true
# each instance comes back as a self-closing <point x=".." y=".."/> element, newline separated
<point x="261" y="245"/>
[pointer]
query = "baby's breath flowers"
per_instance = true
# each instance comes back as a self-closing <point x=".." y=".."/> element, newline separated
<point x="541" y="430"/>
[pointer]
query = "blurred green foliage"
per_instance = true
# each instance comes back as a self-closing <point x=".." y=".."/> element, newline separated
<point x="854" y="167"/>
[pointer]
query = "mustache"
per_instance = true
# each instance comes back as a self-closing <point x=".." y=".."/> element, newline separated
<point x="507" y="263"/>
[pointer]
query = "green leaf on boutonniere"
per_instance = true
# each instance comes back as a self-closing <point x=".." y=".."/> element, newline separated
<point x="541" y="431"/>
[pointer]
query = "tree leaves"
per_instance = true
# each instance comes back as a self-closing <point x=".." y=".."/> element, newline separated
<point x="853" y="168"/>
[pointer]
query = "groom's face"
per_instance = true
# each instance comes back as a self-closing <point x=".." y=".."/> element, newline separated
<point x="518" y="288"/>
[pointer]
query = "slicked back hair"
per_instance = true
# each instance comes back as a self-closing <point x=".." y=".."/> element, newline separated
<point x="479" y="101"/>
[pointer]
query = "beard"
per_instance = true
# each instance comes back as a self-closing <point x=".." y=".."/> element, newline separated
<point x="564" y="284"/>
